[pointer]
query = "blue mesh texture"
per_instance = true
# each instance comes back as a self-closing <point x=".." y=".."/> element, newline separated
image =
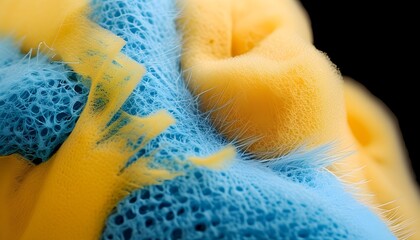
<point x="40" y="103"/>
<point x="289" y="198"/>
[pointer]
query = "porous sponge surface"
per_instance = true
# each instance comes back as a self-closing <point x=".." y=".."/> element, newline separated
<point x="40" y="103"/>
<point x="278" y="92"/>
<point x="248" y="199"/>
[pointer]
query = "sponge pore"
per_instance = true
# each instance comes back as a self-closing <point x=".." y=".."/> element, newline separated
<point x="40" y="103"/>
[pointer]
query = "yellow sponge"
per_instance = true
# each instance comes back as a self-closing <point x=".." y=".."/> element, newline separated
<point x="263" y="82"/>
<point x="253" y="67"/>
<point x="253" y="20"/>
<point x="382" y="158"/>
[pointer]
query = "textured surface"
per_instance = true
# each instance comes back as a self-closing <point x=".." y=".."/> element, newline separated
<point x="40" y="103"/>
<point x="152" y="40"/>
<point x="293" y="197"/>
<point x="383" y="158"/>
<point x="279" y="93"/>
<point x="247" y="201"/>
<point x="88" y="172"/>
<point x="253" y="20"/>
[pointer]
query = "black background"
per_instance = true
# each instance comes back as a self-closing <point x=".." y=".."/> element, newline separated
<point x="372" y="44"/>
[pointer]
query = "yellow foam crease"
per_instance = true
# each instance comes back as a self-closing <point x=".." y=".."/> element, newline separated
<point x="253" y="20"/>
<point x="258" y="75"/>
<point x="217" y="161"/>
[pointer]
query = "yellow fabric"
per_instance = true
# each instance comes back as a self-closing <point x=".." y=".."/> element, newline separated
<point x="279" y="92"/>
<point x="253" y="67"/>
<point x="382" y="157"/>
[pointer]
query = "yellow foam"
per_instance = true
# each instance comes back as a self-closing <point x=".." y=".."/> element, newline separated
<point x="253" y="20"/>
<point x="258" y="74"/>
<point x="382" y="158"/>
<point x="64" y="28"/>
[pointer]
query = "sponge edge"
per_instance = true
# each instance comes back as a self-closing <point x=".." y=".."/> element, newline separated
<point x="381" y="152"/>
<point x="272" y="98"/>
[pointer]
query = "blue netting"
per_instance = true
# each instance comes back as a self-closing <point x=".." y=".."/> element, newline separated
<point x="39" y="101"/>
